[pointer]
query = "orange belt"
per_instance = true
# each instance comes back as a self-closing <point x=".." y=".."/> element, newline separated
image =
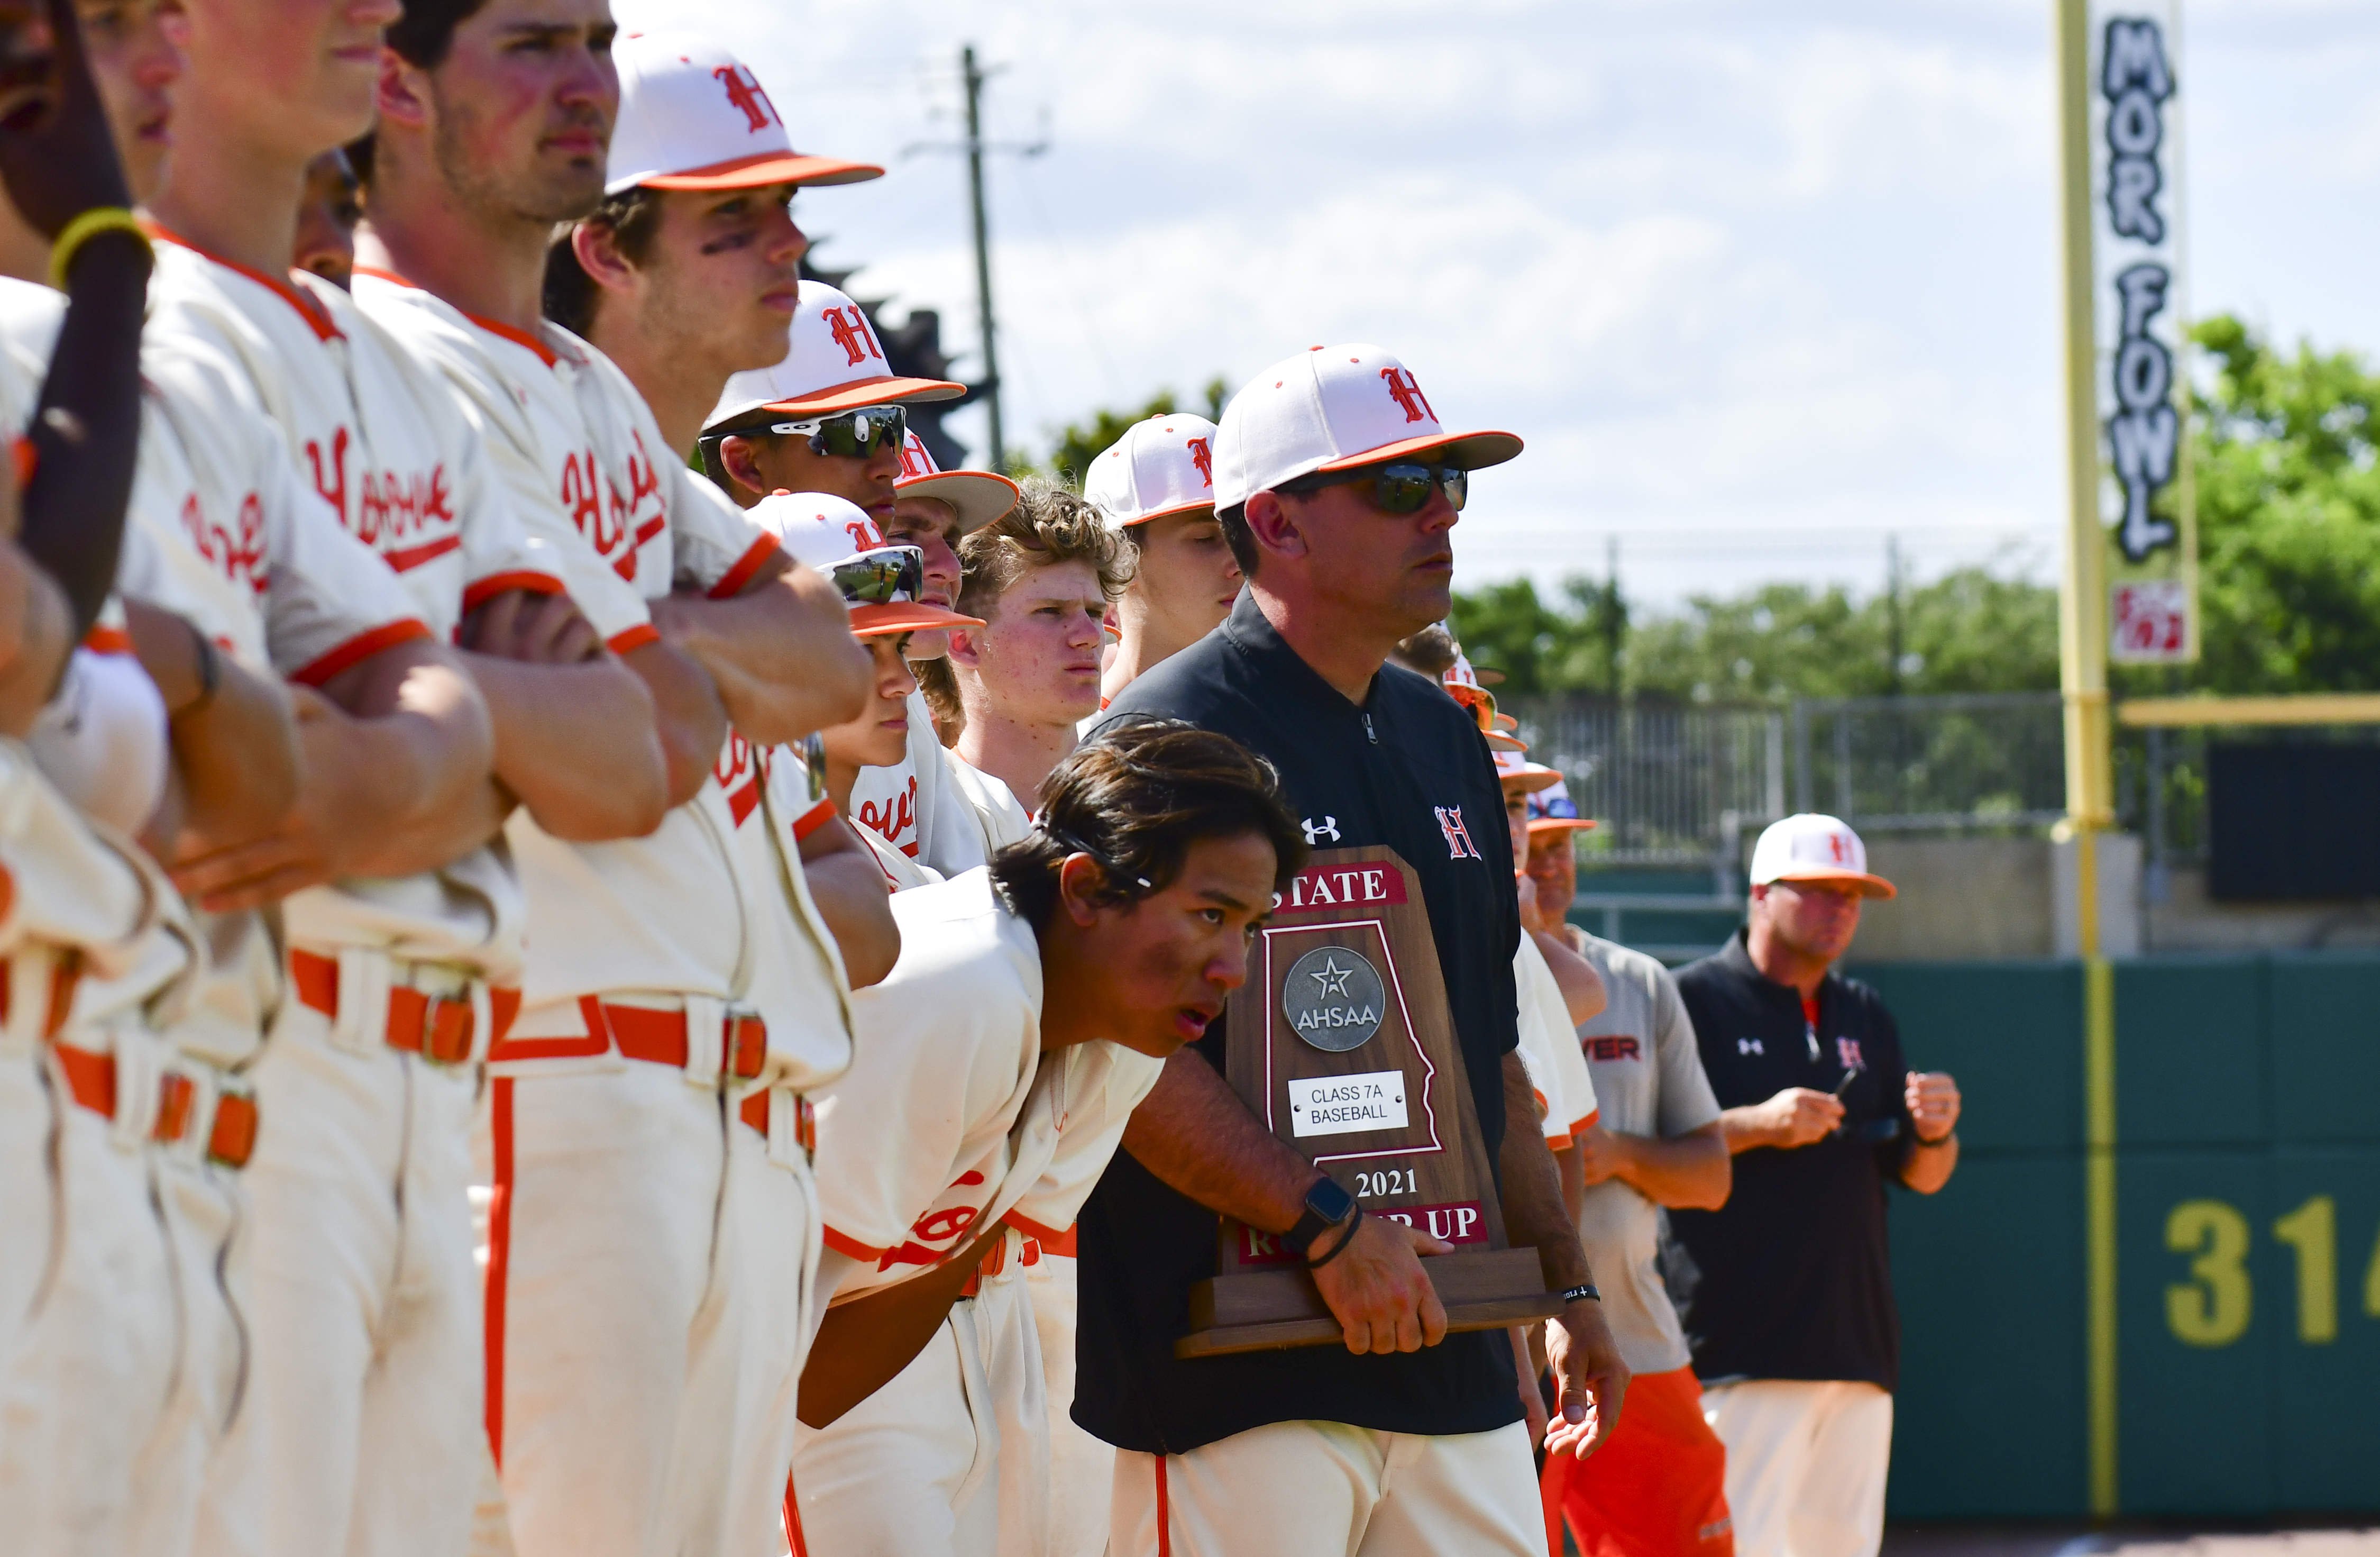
<point x="438" y="1027"/>
<point x="232" y="1139"/>
<point x="994" y="1260"/>
<point x="65" y="974"/>
<point x="659" y="1037"/>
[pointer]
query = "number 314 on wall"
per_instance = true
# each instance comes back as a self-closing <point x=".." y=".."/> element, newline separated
<point x="2214" y="1307"/>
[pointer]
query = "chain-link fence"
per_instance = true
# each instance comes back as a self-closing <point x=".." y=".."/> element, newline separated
<point x="1676" y="786"/>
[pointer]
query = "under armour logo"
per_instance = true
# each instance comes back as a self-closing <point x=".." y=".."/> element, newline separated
<point x="1407" y="395"/>
<point x="1204" y="459"/>
<point x="1458" y="836"/>
<point x="851" y="333"/>
<point x="1328" y="829"/>
<point x="744" y="92"/>
<point x="1749" y="1046"/>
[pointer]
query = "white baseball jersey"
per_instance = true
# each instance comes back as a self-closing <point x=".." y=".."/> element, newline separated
<point x="403" y="463"/>
<point x="1565" y="1090"/>
<point x="713" y="904"/>
<point x="900" y="872"/>
<point x="899" y="803"/>
<point x="999" y="816"/>
<point x="949" y="1119"/>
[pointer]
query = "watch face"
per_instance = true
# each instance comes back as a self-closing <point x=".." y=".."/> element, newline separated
<point x="1329" y="1201"/>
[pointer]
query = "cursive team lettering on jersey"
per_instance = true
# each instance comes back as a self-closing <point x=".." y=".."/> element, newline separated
<point x="893" y="818"/>
<point x="407" y="518"/>
<point x="616" y="523"/>
<point x="240" y="557"/>
<point x="944" y="1226"/>
<point x="741" y="771"/>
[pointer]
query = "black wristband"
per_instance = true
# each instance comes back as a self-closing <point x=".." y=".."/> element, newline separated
<point x="1335" y="1250"/>
<point x="1584" y="1291"/>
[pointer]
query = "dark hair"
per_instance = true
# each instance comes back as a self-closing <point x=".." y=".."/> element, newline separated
<point x="633" y="218"/>
<point x="1239" y="537"/>
<point x="1135" y="800"/>
<point x="426" y="31"/>
<point x="1430" y="651"/>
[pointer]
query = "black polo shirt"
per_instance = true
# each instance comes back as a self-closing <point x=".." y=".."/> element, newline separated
<point x="1375" y="774"/>
<point x="1792" y="1277"/>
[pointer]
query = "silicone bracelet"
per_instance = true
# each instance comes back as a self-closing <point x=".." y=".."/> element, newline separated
<point x="82" y="229"/>
<point x="1575" y="1294"/>
<point x="1341" y="1247"/>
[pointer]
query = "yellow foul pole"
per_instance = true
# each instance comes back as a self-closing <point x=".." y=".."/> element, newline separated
<point x="2082" y="675"/>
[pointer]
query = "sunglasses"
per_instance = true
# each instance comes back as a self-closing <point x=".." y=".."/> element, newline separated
<point x="853" y="435"/>
<point x="1399" y="487"/>
<point x="887" y="575"/>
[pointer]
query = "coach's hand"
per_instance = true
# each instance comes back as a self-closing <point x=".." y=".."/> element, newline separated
<point x="1590" y="1379"/>
<point x="1933" y="1100"/>
<point x="1377" y="1291"/>
<point x="1797" y="1117"/>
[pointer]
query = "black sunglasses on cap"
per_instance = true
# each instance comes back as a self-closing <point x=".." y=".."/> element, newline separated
<point x="853" y="435"/>
<point x="887" y="575"/>
<point x="1399" y="487"/>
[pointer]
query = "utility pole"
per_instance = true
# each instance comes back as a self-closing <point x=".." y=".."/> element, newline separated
<point x="974" y="77"/>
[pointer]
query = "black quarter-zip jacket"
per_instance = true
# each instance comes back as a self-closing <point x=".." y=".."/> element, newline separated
<point x="1409" y="769"/>
<point x="1792" y="1277"/>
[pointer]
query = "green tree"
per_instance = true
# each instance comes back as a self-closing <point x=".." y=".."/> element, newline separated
<point x="1077" y="443"/>
<point x="2283" y="447"/>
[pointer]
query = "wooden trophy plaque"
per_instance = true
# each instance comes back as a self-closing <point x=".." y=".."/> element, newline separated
<point x="1342" y="1043"/>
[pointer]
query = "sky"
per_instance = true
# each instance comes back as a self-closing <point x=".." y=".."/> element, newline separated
<point x="1762" y="285"/>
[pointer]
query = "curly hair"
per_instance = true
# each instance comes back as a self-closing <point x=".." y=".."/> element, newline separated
<point x="1135" y="800"/>
<point x="1049" y="524"/>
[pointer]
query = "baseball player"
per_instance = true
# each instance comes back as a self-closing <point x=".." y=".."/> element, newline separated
<point x="836" y="392"/>
<point x="699" y="953"/>
<point x="407" y="919"/>
<point x="327" y="218"/>
<point x="1043" y="578"/>
<point x="1157" y="483"/>
<point x="1031" y="1010"/>
<point x="1656" y="1486"/>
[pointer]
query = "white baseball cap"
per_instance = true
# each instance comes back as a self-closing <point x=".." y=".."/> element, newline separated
<point x="978" y="497"/>
<point x="1165" y="465"/>
<point x="1811" y="847"/>
<point x="1462" y="684"/>
<point x="1333" y="407"/>
<point x="693" y="116"/>
<point x="1551" y="809"/>
<point x="833" y="363"/>
<point x="817" y="527"/>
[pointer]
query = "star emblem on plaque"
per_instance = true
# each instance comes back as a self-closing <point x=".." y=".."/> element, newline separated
<point x="1333" y="999"/>
<point x="1342" y="1041"/>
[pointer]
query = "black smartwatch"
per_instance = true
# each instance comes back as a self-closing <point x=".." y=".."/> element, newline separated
<point x="1327" y="1205"/>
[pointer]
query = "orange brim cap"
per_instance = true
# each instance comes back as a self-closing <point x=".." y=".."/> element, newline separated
<point x="1869" y="886"/>
<point x="765" y="168"/>
<point x="1139" y="520"/>
<point x="1469" y="451"/>
<point x="1559" y="824"/>
<point x="905" y="616"/>
<point x="978" y="497"/>
<point x="885" y="390"/>
<point x="1499" y="741"/>
<point x="1528" y="780"/>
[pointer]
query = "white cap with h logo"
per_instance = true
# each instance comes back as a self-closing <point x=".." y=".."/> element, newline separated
<point x="835" y="364"/>
<point x="1164" y="465"/>
<point x="1817" y="848"/>
<point x="1334" y="407"/>
<point x="693" y="116"/>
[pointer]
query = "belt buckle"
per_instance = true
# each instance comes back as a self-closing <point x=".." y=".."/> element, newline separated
<point x="449" y="1030"/>
<point x="231" y="1140"/>
<point x="745" y="1047"/>
<point x="177" y="1097"/>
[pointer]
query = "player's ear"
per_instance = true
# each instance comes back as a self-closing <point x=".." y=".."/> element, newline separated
<point x="1080" y="882"/>
<point x="964" y="649"/>
<point x="1274" y="526"/>
<point x="742" y="463"/>
<point x="403" y="98"/>
<point x="597" y="248"/>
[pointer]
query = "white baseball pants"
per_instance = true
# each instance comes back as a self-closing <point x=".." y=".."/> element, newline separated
<point x="358" y="1435"/>
<point x="203" y="1209"/>
<point x="27" y="1217"/>
<point x="1324" y="1488"/>
<point x="1805" y="1464"/>
<point x="949" y="1459"/>
<point x="1082" y="1468"/>
<point x="96" y="1363"/>
<point x="649" y="1267"/>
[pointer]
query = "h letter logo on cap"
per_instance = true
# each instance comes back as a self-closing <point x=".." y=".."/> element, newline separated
<point x="1203" y="457"/>
<point x="1407" y="395"/>
<point x="744" y="92"/>
<point x="851" y="333"/>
